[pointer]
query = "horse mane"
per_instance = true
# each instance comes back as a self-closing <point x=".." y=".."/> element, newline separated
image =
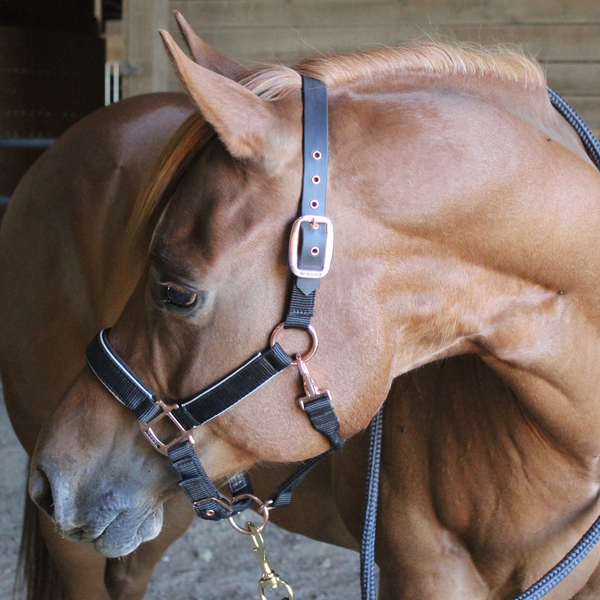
<point x="381" y="68"/>
<point x="377" y="70"/>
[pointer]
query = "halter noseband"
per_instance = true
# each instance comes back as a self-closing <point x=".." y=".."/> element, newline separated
<point x="311" y="247"/>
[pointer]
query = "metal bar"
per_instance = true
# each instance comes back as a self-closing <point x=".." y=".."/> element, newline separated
<point x="26" y="142"/>
<point x="116" y="92"/>
<point x="106" y="83"/>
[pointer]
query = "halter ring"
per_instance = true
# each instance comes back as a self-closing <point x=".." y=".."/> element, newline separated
<point x="310" y="352"/>
<point x="263" y="509"/>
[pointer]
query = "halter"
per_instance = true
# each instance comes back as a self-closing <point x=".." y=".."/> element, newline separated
<point x="310" y="253"/>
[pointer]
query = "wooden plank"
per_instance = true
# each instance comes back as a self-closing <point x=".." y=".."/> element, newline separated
<point x="553" y="43"/>
<point x="353" y="13"/>
<point x="570" y="79"/>
<point x="556" y="43"/>
<point x="277" y="42"/>
<point x="143" y="46"/>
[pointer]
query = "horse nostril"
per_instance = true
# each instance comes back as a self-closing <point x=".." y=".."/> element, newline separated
<point x="40" y="491"/>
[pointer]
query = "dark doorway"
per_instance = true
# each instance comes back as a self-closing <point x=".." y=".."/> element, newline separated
<point x="51" y="75"/>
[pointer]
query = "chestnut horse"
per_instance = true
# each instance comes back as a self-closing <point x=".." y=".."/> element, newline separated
<point x="465" y="211"/>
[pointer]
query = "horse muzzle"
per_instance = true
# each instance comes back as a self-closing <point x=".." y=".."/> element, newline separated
<point x="109" y="519"/>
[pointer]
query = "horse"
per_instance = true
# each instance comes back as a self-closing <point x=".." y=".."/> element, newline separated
<point x="463" y="289"/>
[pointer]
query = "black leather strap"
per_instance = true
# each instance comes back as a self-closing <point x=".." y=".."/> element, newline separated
<point x="314" y="188"/>
<point x="316" y="140"/>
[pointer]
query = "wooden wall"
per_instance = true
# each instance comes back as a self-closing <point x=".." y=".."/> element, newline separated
<point x="563" y="34"/>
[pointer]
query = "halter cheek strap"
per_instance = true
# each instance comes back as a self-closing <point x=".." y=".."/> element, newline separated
<point x="311" y="246"/>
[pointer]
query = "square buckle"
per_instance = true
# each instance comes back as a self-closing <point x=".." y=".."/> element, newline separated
<point x="315" y="221"/>
<point x="152" y="436"/>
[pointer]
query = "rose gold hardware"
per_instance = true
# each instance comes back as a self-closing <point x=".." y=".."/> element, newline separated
<point x="315" y="251"/>
<point x="263" y="509"/>
<point x="316" y="179"/>
<point x="152" y="437"/>
<point x="317" y="155"/>
<point x="314" y="221"/>
<point x="210" y="513"/>
<point x="314" y="339"/>
<point x="311" y="389"/>
<point x="314" y="204"/>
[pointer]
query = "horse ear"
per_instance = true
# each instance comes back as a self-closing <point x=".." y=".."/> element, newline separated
<point x="206" y="55"/>
<point x="251" y="128"/>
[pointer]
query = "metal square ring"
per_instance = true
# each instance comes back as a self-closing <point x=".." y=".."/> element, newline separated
<point x="153" y="438"/>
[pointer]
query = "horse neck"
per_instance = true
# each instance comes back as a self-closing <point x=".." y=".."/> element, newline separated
<point x="489" y="246"/>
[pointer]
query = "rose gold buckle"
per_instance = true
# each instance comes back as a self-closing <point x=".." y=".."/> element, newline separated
<point x="316" y="222"/>
<point x="152" y="437"/>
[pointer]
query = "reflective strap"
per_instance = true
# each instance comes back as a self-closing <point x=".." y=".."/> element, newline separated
<point x="119" y="379"/>
<point x="229" y="391"/>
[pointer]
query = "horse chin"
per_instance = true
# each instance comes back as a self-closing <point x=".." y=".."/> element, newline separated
<point x="125" y="533"/>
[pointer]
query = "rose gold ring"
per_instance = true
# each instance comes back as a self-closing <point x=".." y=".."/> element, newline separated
<point x="263" y="509"/>
<point x="309" y="353"/>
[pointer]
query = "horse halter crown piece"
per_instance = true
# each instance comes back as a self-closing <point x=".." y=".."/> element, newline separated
<point x="310" y="253"/>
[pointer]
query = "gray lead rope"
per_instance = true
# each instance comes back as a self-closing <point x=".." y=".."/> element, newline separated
<point x="367" y="547"/>
<point x="367" y="543"/>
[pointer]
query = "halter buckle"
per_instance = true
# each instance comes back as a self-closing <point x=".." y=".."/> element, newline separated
<point x="315" y="221"/>
<point x="152" y="436"/>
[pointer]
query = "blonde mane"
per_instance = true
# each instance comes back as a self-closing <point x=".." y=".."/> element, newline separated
<point x="377" y="70"/>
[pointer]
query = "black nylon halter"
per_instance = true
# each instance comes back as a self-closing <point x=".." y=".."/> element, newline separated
<point x="310" y="256"/>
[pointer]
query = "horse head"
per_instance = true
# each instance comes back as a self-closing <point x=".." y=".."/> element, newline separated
<point x="214" y="288"/>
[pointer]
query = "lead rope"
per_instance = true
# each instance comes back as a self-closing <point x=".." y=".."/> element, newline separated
<point x="367" y="547"/>
<point x="367" y="544"/>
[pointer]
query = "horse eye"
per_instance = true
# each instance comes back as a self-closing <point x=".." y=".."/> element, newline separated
<point x="179" y="296"/>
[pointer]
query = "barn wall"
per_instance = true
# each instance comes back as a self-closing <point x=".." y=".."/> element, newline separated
<point x="563" y="34"/>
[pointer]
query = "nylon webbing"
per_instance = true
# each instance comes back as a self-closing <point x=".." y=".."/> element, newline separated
<point x="324" y="420"/>
<point x="119" y="379"/>
<point x="284" y="491"/>
<point x="196" y="484"/>
<point x="231" y="390"/>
